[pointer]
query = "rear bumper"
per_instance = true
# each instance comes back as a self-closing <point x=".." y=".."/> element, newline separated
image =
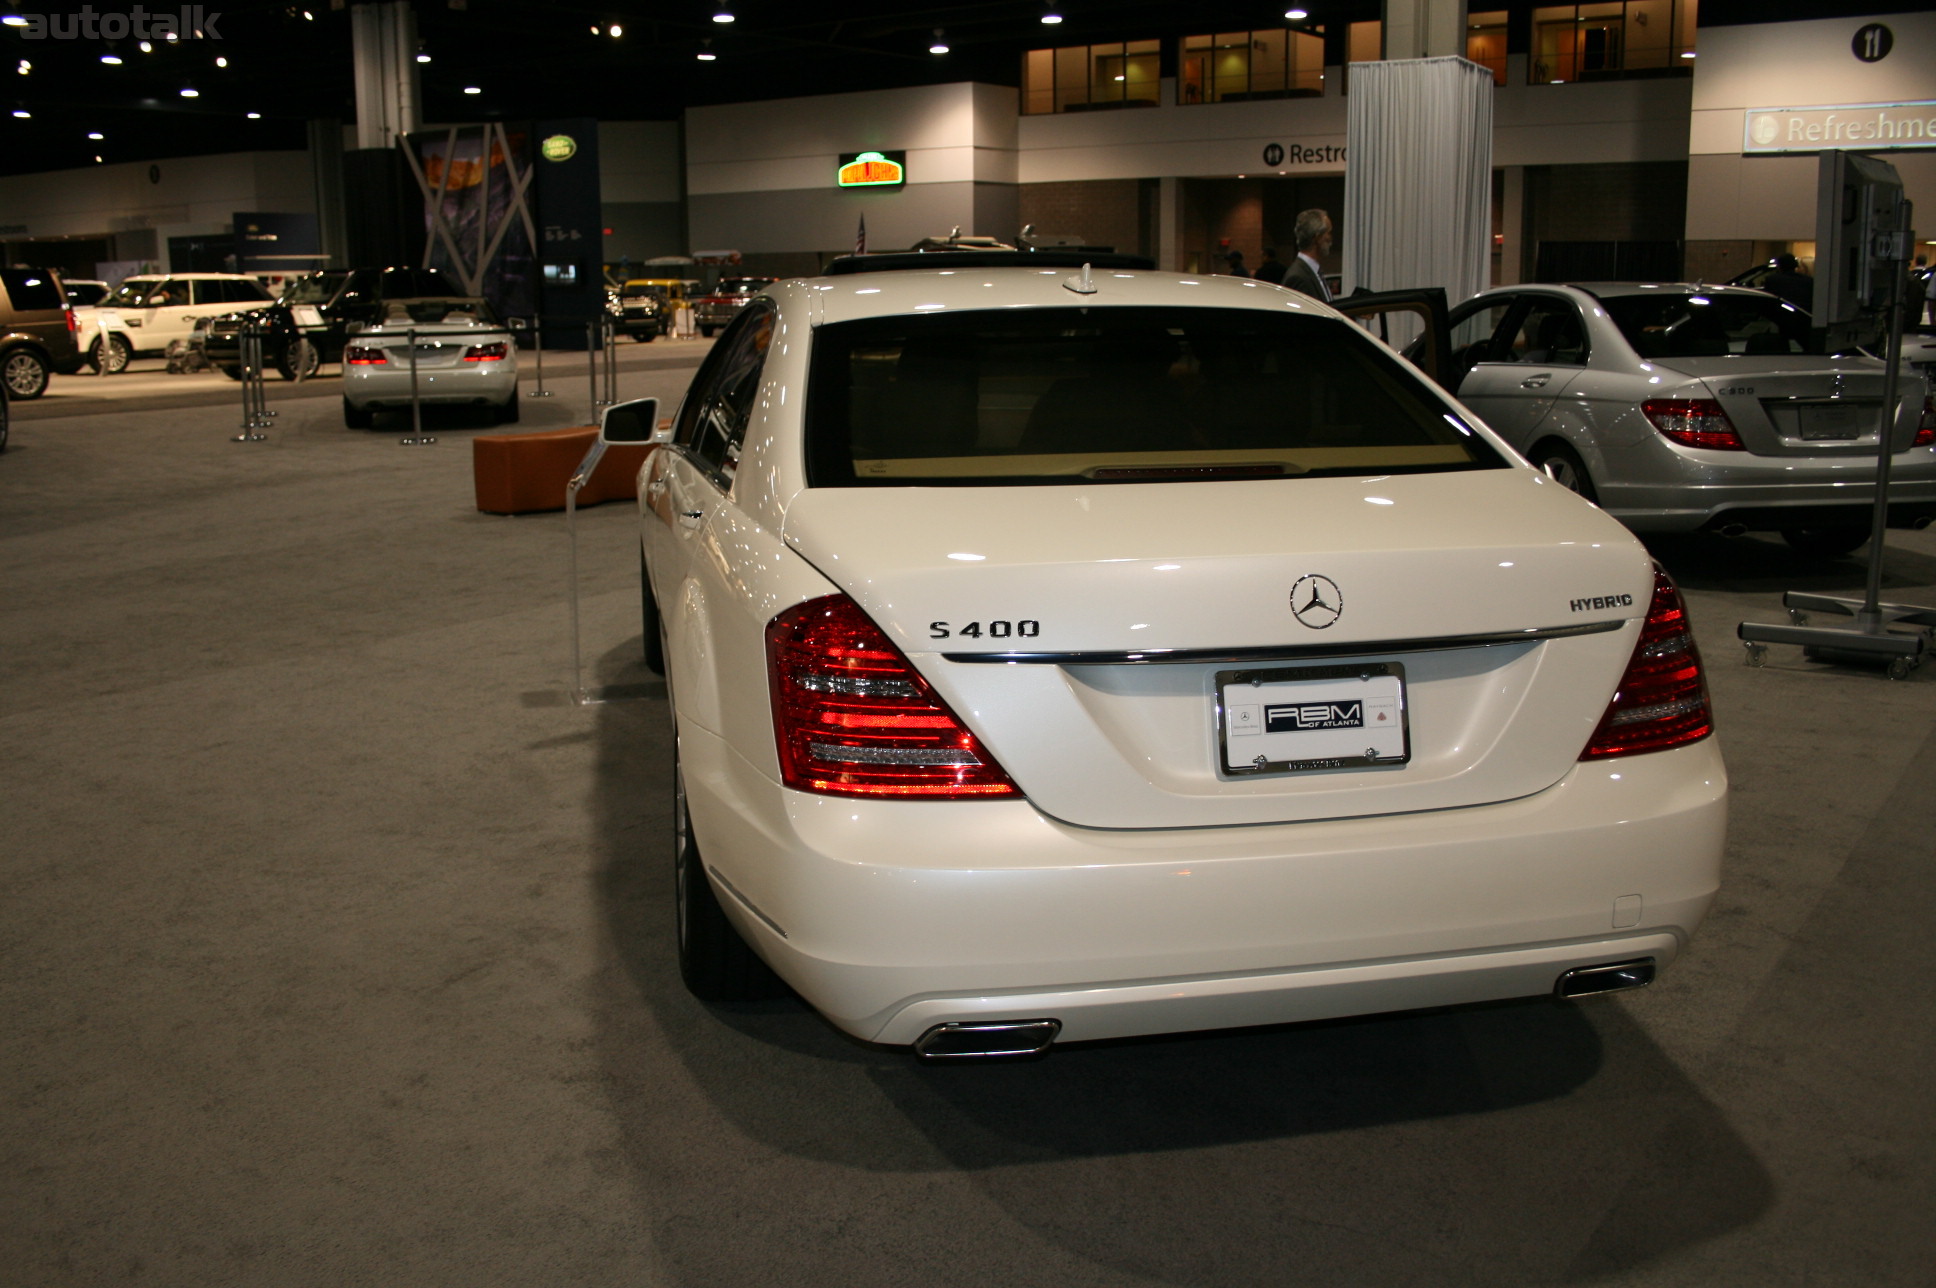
<point x="480" y="384"/>
<point x="1810" y="496"/>
<point x="892" y="916"/>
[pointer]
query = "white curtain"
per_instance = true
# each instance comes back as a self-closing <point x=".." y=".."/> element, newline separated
<point x="1418" y="182"/>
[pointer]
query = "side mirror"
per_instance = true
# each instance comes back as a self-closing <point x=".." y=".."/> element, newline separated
<point x="518" y="324"/>
<point x="630" y="422"/>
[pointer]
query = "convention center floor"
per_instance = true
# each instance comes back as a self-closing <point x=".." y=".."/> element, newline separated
<point x="335" y="949"/>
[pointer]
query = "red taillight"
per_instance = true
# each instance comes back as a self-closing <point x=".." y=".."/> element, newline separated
<point x="1926" y="427"/>
<point x="358" y="355"/>
<point x="1662" y="699"/>
<point x="485" y="353"/>
<point x="1694" y="422"/>
<point x="73" y="323"/>
<point x="854" y="718"/>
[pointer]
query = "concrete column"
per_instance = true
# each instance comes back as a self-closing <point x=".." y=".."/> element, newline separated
<point x="1424" y="28"/>
<point x="384" y="52"/>
<point x="1169" y="222"/>
<point x="1512" y="225"/>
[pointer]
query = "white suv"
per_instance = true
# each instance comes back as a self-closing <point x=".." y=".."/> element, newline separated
<point x="153" y="309"/>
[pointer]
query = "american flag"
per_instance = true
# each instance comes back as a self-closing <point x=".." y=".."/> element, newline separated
<point x="860" y="238"/>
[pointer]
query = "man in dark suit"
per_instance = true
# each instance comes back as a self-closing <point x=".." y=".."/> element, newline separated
<point x="1272" y="269"/>
<point x="1306" y="273"/>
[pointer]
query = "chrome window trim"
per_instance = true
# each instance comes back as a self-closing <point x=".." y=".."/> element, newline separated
<point x="1291" y="652"/>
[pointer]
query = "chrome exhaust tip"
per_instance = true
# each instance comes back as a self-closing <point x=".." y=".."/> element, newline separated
<point x="987" y="1041"/>
<point x="1587" y="981"/>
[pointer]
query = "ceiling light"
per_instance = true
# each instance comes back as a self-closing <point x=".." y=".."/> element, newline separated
<point x="189" y="91"/>
<point x="615" y="31"/>
<point x="171" y="37"/>
<point x="221" y="62"/>
<point x="1687" y="53"/>
<point x="1297" y="15"/>
<point x="723" y="14"/>
<point x="255" y="116"/>
<point x="96" y="134"/>
<point x="112" y="60"/>
<point x="14" y="20"/>
<point x="1051" y="17"/>
<point x="707" y="56"/>
<point x="594" y="29"/>
<point x="97" y="158"/>
<point x="308" y="16"/>
<point x="24" y="67"/>
<point x="147" y="48"/>
<point x="940" y="45"/>
<point x="21" y="113"/>
<point x="473" y="89"/>
<point x="423" y="58"/>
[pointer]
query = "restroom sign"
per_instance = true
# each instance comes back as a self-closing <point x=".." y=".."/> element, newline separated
<point x="872" y="170"/>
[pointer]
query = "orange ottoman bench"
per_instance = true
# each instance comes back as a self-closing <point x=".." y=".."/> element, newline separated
<point x="527" y="473"/>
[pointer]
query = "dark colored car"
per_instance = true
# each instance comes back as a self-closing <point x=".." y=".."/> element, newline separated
<point x="318" y="308"/>
<point x="722" y="304"/>
<point x="36" y="331"/>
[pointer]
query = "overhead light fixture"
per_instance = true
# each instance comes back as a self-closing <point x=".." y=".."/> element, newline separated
<point x="723" y="14"/>
<point x="706" y="54"/>
<point x="1687" y="53"/>
<point x="940" y="45"/>
<point x="21" y="113"/>
<point x="594" y="29"/>
<point x="423" y="58"/>
<point x="112" y="60"/>
<point x="147" y="48"/>
<point x="24" y="67"/>
<point x="1051" y="18"/>
<point x="189" y="91"/>
<point x="14" y="20"/>
<point x="1297" y="15"/>
<point x="96" y="135"/>
<point x="97" y="158"/>
<point x="308" y="16"/>
<point x="615" y="31"/>
<point x="255" y="116"/>
<point x="221" y="62"/>
<point x="473" y="89"/>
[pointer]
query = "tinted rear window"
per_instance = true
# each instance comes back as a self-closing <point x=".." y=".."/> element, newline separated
<point x="32" y="288"/>
<point x="1116" y="395"/>
<point x="1692" y="324"/>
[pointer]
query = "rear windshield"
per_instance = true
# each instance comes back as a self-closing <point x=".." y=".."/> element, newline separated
<point x="1075" y="395"/>
<point x="1690" y="324"/>
<point x="403" y="313"/>
<point x="32" y="289"/>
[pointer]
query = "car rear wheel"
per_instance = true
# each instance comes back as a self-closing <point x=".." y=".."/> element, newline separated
<point x="645" y="337"/>
<point x="299" y="361"/>
<point x="1563" y="465"/>
<point x="1825" y="543"/>
<point x="26" y="374"/>
<point x="508" y="413"/>
<point x="714" y="961"/>
<point x="355" y="417"/>
<point x="118" y="355"/>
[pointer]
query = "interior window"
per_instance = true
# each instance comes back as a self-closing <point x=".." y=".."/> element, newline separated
<point x="1549" y="333"/>
<point x="713" y="422"/>
<point x="1116" y="395"/>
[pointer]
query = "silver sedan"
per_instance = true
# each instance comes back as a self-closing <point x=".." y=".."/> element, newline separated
<point x="1681" y="408"/>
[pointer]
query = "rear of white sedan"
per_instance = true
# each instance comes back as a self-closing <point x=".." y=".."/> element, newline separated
<point x="1068" y="655"/>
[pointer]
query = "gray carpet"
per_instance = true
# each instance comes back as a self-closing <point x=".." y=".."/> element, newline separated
<point x="334" y="951"/>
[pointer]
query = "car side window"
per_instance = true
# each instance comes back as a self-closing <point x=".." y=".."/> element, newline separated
<point x="712" y="424"/>
<point x="1548" y="333"/>
<point x="1472" y="334"/>
<point x="210" y="292"/>
<point x="246" y="293"/>
<point x="169" y="294"/>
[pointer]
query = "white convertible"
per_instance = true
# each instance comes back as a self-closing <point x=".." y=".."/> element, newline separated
<point x="1075" y="652"/>
<point x="440" y="352"/>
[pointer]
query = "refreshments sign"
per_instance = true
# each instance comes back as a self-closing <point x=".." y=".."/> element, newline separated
<point x="1867" y="126"/>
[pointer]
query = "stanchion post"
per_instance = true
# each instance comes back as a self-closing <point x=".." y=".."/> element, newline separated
<point x="591" y="364"/>
<point x="416" y="437"/>
<point x="537" y="343"/>
<point x="255" y="401"/>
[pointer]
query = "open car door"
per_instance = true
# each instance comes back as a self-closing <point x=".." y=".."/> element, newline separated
<point x="1415" y="322"/>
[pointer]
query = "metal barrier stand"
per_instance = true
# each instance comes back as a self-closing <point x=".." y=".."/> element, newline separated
<point x="255" y="399"/>
<point x="537" y="344"/>
<point x="416" y="437"/>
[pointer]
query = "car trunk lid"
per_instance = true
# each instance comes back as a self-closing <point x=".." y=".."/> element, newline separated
<point x="1803" y="405"/>
<point x="1099" y="639"/>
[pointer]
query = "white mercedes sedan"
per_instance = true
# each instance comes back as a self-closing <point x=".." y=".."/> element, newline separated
<point x="436" y="351"/>
<point x="1062" y="652"/>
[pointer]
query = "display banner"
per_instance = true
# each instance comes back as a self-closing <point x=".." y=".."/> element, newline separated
<point x="476" y="183"/>
<point x="268" y="242"/>
<point x="1868" y="127"/>
<point x="571" y="232"/>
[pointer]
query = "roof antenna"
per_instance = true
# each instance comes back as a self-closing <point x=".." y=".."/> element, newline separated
<point x="1080" y="283"/>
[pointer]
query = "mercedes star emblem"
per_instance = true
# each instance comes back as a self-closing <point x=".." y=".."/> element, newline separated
<point x="1316" y="601"/>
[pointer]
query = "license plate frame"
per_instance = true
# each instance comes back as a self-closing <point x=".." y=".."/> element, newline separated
<point x="1830" y="422"/>
<point x="1302" y="722"/>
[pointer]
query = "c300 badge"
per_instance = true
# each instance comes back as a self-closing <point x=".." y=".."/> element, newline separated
<point x="1316" y="601"/>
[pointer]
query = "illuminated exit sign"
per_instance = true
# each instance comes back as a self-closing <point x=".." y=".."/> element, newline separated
<point x="872" y="170"/>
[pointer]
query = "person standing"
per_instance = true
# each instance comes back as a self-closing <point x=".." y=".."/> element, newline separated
<point x="1272" y="269"/>
<point x="1234" y="259"/>
<point x="1790" y="283"/>
<point x="1306" y="272"/>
